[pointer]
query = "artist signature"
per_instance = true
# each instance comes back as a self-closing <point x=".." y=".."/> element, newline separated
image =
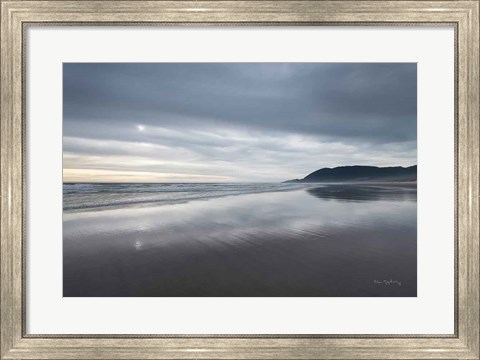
<point x="387" y="282"/>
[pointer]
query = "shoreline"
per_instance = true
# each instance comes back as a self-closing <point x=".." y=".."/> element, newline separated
<point x="164" y="202"/>
<point x="153" y="203"/>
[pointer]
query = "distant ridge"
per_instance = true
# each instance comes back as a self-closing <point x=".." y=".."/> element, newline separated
<point x="359" y="173"/>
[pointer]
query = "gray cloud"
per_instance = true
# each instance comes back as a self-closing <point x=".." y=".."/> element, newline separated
<point x="243" y="121"/>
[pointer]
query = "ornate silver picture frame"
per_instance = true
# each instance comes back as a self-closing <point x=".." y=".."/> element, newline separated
<point x="16" y="16"/>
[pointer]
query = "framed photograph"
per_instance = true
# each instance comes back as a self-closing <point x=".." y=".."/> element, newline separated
<point x="229" y="179"/>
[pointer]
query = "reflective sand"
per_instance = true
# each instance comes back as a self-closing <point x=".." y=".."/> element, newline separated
<point x="340" y="240"/>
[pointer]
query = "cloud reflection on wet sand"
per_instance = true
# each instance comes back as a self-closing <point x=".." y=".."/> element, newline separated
<point x="327" y="242"/>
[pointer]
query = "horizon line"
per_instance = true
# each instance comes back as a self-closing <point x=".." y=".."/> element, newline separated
<point x="221" y="182"/>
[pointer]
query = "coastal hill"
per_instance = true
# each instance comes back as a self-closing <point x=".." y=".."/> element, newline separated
<point x="361" y="174"/>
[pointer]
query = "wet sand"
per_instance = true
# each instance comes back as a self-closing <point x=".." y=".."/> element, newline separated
<point x="327" y="241"/>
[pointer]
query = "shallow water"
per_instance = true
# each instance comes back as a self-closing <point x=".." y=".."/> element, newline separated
<point x="95" y="196"/>
<point x="336" y="240"/>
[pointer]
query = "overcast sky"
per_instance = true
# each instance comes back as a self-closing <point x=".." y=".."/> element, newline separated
<point x="229" y="122"/>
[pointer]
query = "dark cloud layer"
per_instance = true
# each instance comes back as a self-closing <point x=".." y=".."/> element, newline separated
<point x="208" y="112"/>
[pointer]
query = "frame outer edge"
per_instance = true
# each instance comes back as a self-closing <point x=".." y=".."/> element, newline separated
<point x="468" y="168"/>
<point x="472" y="335"/>
<point x="7" y="321"/>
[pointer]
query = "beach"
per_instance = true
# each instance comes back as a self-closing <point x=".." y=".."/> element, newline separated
<point x="325" y="240"/>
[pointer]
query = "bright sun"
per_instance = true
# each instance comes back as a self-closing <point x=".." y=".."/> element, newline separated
<point x="140" y="127"/>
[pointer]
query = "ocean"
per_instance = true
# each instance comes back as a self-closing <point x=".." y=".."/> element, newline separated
<point x="86" y="196"/>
